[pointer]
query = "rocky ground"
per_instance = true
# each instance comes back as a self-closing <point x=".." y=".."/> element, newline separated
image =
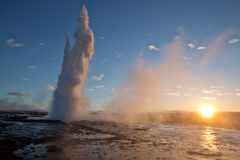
<point x="21" y="138"/>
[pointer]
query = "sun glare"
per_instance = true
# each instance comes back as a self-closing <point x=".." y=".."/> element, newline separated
<point x="206" y="110"/>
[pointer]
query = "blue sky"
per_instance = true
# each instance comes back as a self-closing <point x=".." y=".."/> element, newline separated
<point x="33" y="36"/>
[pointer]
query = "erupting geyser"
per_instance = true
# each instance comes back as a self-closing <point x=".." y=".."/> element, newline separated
<point x="69" y="101"/>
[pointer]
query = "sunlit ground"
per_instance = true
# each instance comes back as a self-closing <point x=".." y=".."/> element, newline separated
<point x="208" y="139"/>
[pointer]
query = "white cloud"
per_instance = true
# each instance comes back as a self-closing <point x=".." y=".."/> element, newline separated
<point x="237" y="89"/>
<point x="129" y="89"/>
<point x="16" y="45"/>
<point x="102" y="38"/>
<point x="217" y="87"/>
<point x="153" y="48"/>
<point x="191" y="45"/>
<point x="50" y="88"/>
<point x="209" y="98"/>
<point x="210" y="92"/>
<point x="179" y="86"/>
<point x="194" y="89"/>
<point x="201" y="48"/>
<point x="100" y="86"/>
<point x="224" y="94"/>
<point x="165" y="90"/>
<point x="25" y="79"/>
<point x="206" y="91"/>
<point x="171" y="94"/>
<point x="119" y="56"/>
<point x="10" y="41"/>
<point x="41" y="44"/>
<point x="234" y="40"/>
<point x="105" y="60"/>
<point x="151" y="34"/>
<point x="32" y="67"/>
<point x="98" y="77"/>
<point x="13" y="44"/>
<point x="187" y="58"/>
<point x="97" y="87"/>
<point x="91" y="89"/>
<point x="140" y="54"/>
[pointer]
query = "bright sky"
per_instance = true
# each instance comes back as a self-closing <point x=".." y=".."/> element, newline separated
<point x="33" y="36"/>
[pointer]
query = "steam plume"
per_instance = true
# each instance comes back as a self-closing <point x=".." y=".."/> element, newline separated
<point x="69" y="101"/>
<point x="143" y="88"/>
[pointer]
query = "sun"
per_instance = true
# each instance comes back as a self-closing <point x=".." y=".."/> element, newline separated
<point x="206" y="110"/>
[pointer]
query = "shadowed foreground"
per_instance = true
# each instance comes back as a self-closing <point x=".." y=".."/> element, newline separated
<point x="43" y="139"/>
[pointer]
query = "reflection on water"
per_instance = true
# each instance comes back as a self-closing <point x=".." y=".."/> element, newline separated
<point x="208" y="139"/>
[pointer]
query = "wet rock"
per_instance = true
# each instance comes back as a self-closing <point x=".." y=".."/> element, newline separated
<point x="54" y="148"/>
